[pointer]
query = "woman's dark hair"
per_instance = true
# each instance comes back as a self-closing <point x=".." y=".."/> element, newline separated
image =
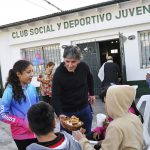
<point x="49" y="64"/>
<point x="41" y="118"/>
<point x="13" y="79"/>
<point x="137" y="112"/>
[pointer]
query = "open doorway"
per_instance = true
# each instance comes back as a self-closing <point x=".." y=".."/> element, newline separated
<point x="110" y="48"/>
<point x="94" y="54"/>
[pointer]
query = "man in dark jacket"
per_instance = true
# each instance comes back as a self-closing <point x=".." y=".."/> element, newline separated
<point x="72" y="82"/>
<point x="109" y="73"/>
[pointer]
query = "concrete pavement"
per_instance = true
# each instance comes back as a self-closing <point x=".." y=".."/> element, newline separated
<point x="7" y="143"/>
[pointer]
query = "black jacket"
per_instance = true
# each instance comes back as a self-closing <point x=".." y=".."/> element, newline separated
<point x="70" y="89"/>
<point x="111" y="73"/>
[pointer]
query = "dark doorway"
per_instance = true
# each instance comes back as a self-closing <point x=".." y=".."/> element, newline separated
<point x="112" y="48"/>
<point x="94" y="54"/>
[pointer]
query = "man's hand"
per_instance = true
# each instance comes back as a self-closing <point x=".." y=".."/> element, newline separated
<point x="61" y="117"/>
<point x="92" y="99"/>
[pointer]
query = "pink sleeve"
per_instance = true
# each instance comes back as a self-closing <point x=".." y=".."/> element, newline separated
<point x="13" y="120"/>
<point x="132" y="110"/>
<point x="99" y="130"/>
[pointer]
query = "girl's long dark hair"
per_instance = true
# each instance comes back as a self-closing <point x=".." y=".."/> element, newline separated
<point x="14" y="81"/>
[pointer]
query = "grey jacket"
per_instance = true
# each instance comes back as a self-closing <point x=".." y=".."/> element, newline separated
<point x="70" y="145"/>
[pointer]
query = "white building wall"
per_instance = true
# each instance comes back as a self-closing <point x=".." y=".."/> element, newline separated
<point x="104" y="30"/>
<point x="132" y="53"/>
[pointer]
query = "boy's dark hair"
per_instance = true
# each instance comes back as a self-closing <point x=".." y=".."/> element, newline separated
<point x="41" y="118"/>
<point x="103" y="91"/>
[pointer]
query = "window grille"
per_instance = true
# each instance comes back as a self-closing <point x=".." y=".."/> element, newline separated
<point x="145" y="48"/>
<point x="41" y="55"/>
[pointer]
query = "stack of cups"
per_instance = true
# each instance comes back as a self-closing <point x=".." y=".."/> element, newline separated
<point x="100" y="119"/>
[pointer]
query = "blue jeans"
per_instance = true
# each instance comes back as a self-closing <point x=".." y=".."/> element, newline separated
<point x="85" y="116"/>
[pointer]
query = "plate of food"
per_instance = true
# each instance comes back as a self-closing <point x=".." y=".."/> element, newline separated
<point x="72" y="123"/>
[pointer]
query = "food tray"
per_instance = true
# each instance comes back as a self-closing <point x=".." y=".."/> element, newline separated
<point x="67" y="125"/>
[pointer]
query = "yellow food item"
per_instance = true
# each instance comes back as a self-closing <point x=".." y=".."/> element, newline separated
<point x="74" y="120"/>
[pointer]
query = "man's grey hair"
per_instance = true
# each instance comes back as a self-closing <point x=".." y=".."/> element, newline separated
<point x="71" y="52"/>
